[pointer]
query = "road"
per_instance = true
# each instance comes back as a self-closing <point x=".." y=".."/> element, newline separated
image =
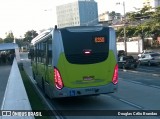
<point x="135" y="92"/>
<point x="138" y="90"/>
<point x="4" y="74"/>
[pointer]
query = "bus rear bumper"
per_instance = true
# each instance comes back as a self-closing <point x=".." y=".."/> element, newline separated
<point x="72" y="92"/>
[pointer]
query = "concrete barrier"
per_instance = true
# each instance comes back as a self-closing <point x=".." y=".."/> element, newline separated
<point x="15" y="97"/>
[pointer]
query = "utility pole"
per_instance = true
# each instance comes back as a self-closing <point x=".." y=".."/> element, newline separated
<point x="125" y="40"/>
<point x="124" y="27"/>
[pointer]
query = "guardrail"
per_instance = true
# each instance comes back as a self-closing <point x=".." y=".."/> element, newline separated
<point x="15" y="98"/>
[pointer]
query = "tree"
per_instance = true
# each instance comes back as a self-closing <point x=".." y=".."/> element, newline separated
<point x="1" y="40"/>
<point x="29" y="35"/>
<point x="155" y="23"/>
<point x="19" y="42"/>
<point x="9" y="37"/>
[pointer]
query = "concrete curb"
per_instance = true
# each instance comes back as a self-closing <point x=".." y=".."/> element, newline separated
<point x="146" y="73"/>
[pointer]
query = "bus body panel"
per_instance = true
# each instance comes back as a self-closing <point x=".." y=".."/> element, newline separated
<point x="78" y="76"/>
<point x="72" y="92"/>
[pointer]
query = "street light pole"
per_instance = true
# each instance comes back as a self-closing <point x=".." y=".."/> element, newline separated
<point x="124" y="27"/>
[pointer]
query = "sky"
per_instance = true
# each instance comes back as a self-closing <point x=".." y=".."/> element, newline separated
<point x="20" y="16"/>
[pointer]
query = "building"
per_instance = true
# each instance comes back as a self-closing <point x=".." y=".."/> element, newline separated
<point x="79" y="13"/>
<point x="108" y="16"/>
<point x="152" y="3"/>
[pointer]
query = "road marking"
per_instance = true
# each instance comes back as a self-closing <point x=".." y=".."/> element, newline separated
<point x="136" y="82"/>
<point x="130" y="103"/>
<point x="155" y="86"/>
<point x="145" y="69"/>
<point x="139" y="72"/>
<point x="155" y="74"/>
<point x="125" y="101"/>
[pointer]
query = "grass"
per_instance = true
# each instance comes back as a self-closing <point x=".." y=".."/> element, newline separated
<point x="34" y="98"/>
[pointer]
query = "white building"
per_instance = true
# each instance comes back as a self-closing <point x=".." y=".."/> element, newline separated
<point x="108" y="16"/>
<point x="152" y="3"/>
<point x="79" y="13"/>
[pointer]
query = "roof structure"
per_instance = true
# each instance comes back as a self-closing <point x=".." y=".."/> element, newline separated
<point x="8" y="46"/>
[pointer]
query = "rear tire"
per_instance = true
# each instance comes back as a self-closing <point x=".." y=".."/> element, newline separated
<point x="135" y="66"/>
<point x="123" y="67"/>
<point x="149" y="63"/>
<point x="43" y="87"/>
<point x="34" y="76"/>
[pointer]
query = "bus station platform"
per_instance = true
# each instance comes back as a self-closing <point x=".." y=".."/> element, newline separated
<point x="13" y="96"/>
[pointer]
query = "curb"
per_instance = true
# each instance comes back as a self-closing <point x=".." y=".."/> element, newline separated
<point x="124" y="70"/>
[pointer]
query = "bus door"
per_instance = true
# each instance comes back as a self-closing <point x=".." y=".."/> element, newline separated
<point x="35" y="60"/>
<point x="48" y="66"/>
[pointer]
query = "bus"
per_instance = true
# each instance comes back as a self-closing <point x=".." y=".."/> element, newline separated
<point x="75" y="61"/>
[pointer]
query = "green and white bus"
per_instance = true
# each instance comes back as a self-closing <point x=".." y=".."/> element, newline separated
<point x="75" y="61"/>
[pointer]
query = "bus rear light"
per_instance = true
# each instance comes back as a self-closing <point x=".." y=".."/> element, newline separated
<point x="115" y="75"/>
<point x="58" y="79"/>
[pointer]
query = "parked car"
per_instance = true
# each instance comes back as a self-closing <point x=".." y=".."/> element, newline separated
<point x="150" y="59"/>
<point x="121" y="53"/>
<point x="127" y="62"/>
<point x="144" y="52"/>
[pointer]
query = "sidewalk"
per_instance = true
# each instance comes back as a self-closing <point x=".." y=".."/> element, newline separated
<point x="15" y="97"/>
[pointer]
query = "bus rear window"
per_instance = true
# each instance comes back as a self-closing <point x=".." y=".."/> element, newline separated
<point x="86" y="47"/>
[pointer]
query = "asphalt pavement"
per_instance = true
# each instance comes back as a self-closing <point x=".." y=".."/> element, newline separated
<point x="4" y="74"/>
<point x="136" y="92"/>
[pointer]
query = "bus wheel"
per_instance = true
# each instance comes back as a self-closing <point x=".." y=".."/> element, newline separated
<point x="123" y="67"/>
<point x="149" y="63"/>
<point x="34" y="77"/>
<point x="43" y="87"/>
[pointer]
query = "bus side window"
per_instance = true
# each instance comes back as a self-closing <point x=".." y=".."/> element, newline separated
<point x="50" y="51"/>
<point x="44" y="53"/>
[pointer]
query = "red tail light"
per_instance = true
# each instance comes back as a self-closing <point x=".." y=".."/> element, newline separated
<point x="58" y="79"/>
<point x="115" y="75"/>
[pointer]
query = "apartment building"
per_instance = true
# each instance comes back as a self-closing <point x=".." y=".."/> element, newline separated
<point x="78" y="13"/>
<point x="152" y="3"/>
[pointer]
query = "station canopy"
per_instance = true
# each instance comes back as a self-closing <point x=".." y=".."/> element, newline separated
<point x="8" y="46"/>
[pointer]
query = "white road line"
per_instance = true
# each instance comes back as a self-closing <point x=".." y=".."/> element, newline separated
<point x="120" y="78"/>
<point x="155" y="86"/>
<point x="139" y="72"/>
<point x="146" y="69"/>
<point x="136" y="82"/>
<point x="130" y="103"/>
<point x="156" y="74"/>
<point x="125" y="101"/>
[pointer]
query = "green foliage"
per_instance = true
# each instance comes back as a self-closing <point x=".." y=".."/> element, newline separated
<point x="20" y="42"/>
<point x="10" y="35"/>
<point x="35" y="100"/>
<point x="29" y="35"/>
<point x="119" y="32"/>
<point x="8" y="40"/>
<point x="147" y="23"/>
<point x="1" y="40"/>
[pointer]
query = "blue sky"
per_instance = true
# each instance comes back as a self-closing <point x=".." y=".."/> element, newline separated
<point x="19" y="16"/>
